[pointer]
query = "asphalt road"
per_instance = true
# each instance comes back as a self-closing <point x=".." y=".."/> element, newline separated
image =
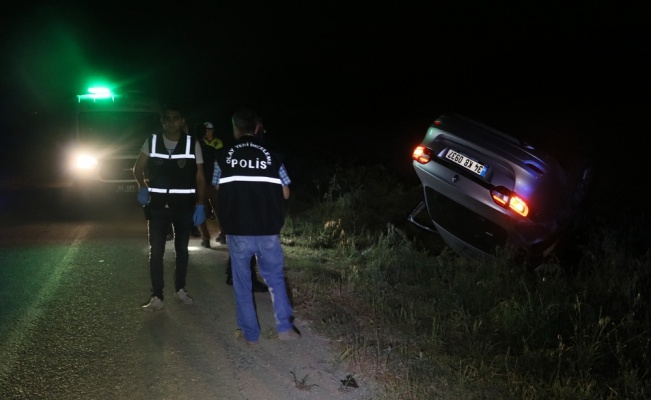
<point x="71" y="285"/>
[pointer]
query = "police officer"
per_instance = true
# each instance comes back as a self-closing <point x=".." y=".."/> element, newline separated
<point x="253" y="189"/>
<point x="205" y="134"/>
<point x="173" y="195"/>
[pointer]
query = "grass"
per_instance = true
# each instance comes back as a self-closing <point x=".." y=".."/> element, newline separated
<point x="427" y="324"/>
<point x="302" y="382"/>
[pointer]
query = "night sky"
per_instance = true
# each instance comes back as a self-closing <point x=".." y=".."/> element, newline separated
<point x="336" y="77"/>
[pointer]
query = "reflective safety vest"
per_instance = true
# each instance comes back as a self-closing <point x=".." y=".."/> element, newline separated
<point x="251" y="201"/>
<point x="172" y="177"/>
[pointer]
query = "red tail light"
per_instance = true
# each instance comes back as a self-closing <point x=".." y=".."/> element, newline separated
<point x="508" y="199"/>
<point x="422" y="154"/>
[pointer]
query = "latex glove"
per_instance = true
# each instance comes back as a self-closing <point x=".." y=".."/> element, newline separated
<point x="143" y="196"/>
<point x="199" y="216"/>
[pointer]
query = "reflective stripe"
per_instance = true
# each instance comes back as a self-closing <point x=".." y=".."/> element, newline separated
<point x="175" y="156"/>
<point x="243" y="178"/>
<point x="182" y="191"/>
<point x="153" y="149"/>
<point x="188" y="142"/>
<point x="187" y="153"/>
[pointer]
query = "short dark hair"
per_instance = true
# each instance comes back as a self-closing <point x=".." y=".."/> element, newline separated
<point x="173" y="106"/>
<point x="245" y="120"/>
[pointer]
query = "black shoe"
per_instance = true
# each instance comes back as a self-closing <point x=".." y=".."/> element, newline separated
<point x="221" y="239"/>
<point x="205" y="243"/>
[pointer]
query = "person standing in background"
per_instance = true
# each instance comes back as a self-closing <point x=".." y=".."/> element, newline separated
<point x="205" y="135"/>
<point x="173" y="195"/>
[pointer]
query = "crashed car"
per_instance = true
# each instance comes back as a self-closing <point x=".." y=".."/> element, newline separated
<point x="485" y="190"/>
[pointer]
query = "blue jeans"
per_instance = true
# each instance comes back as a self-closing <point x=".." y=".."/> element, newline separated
<point x="159" y="224"/>
<point x="270" y="257"/>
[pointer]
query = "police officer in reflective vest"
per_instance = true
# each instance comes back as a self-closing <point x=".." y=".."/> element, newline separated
<point x="253" y="188"/>
<point x="173" y="194"/>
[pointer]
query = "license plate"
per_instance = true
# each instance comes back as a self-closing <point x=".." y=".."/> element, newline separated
<point x="126" y="188"/>
<point x="467" y="163"/>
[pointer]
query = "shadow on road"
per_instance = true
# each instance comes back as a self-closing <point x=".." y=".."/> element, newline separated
<point x="61" y="203"/>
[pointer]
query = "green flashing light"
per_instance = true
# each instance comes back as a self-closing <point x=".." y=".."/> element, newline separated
<point x="98" y="92"/>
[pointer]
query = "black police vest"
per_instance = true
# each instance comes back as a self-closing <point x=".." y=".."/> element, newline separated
<point x="172" y="177"/>
<point x="250" y="201"/>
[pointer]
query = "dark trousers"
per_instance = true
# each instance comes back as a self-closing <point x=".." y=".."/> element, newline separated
<point x="159" y="223"/>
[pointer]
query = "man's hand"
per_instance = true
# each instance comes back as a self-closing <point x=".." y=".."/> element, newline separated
<point x="199" y="216"/>
<point x="143" y="196"/>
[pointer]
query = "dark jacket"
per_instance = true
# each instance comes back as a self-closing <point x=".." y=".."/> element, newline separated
<point x="251" y="201"/>
<point x="209" y="154"/>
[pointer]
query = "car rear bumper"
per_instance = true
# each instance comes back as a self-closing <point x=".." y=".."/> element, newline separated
<point x="476" y="228"/>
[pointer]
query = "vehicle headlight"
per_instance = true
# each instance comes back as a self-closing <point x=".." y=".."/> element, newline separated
<point x="84" y="162"/>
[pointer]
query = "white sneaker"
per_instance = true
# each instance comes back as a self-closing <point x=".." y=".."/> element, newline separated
<point x="183" y="297"/>
<point x="154" y="304"/>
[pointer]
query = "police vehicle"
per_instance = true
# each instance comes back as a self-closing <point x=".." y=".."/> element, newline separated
<point x="110" y="128"/>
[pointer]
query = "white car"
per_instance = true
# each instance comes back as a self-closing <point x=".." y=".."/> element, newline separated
<point x="485" y="190"/>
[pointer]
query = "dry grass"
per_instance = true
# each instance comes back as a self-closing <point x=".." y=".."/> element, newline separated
<point x="430" y="325"/>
